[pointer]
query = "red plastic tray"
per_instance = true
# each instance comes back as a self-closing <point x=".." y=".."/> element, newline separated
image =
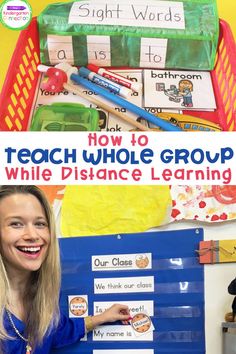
<point x="21" y="82"/>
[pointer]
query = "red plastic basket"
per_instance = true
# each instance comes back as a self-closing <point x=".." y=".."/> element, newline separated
<point x="21" y="83"/>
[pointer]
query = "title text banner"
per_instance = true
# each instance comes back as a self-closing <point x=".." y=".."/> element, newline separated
<point x="166" y="158"/>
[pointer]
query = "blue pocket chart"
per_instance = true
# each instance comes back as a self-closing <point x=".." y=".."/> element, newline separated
<point x="154" y="273"/>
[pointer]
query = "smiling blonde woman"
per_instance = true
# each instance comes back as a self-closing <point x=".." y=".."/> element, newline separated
<point x="30" y="278"/>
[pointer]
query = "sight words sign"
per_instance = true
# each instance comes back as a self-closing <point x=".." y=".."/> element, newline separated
<point x="159" y="14"/>
<point x="118" y="158"/>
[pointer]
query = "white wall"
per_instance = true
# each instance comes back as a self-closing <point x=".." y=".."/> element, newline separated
<point x="217" y="279"/>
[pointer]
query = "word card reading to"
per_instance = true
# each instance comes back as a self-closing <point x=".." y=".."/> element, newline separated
<point x="60" y="49"/>
<point x="153" y="52"/>
<point x="123" y="285"/>
<point x="156" y="14"/>
<point x="99" y="50"/>
<point x="119" y="333"/>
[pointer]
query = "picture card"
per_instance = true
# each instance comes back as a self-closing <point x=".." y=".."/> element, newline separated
<point x="173" y="89"/>
<point x="78" y="305"/>
<point x="141" y="324"/>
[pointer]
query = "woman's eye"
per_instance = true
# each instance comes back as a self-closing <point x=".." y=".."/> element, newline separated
<point x="16" y="224"/>
<point x="41" y="224"/>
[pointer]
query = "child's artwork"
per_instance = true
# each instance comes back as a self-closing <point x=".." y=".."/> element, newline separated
<point x="178" y="89"/>
<point x="203" y="203"/>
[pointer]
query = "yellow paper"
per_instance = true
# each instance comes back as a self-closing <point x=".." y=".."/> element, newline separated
<point x="103" y="210"/>
<point x="227" y="251"/>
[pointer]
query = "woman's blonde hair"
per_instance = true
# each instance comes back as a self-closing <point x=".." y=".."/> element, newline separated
<point x="42" y="296"/>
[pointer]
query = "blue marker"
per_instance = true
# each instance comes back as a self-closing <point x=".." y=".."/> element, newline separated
<point x="124" y="103"/>
<point x="101" y="81"/>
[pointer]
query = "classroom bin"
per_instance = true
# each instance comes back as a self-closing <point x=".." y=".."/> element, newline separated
<point x="22" y="82"/>
<point x="228" y="338"/>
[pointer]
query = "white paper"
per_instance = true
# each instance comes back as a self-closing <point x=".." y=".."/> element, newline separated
<point x="135" y="307"/>
<point x="119" y="333"/>
<point x="153" y="52"/>
<point x="124" y="285"/>
<point x="156" y="14"/>
<point x="99" y="50"/>
<point x="178" y="89"/>
<point x="60" y="49"/>
<point x="122" y="262"/>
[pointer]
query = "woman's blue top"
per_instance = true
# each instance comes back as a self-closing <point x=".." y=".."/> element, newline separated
<point x="68" y="332"/>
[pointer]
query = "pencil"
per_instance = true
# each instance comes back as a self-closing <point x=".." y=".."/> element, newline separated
<point x="125" y="103"/>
